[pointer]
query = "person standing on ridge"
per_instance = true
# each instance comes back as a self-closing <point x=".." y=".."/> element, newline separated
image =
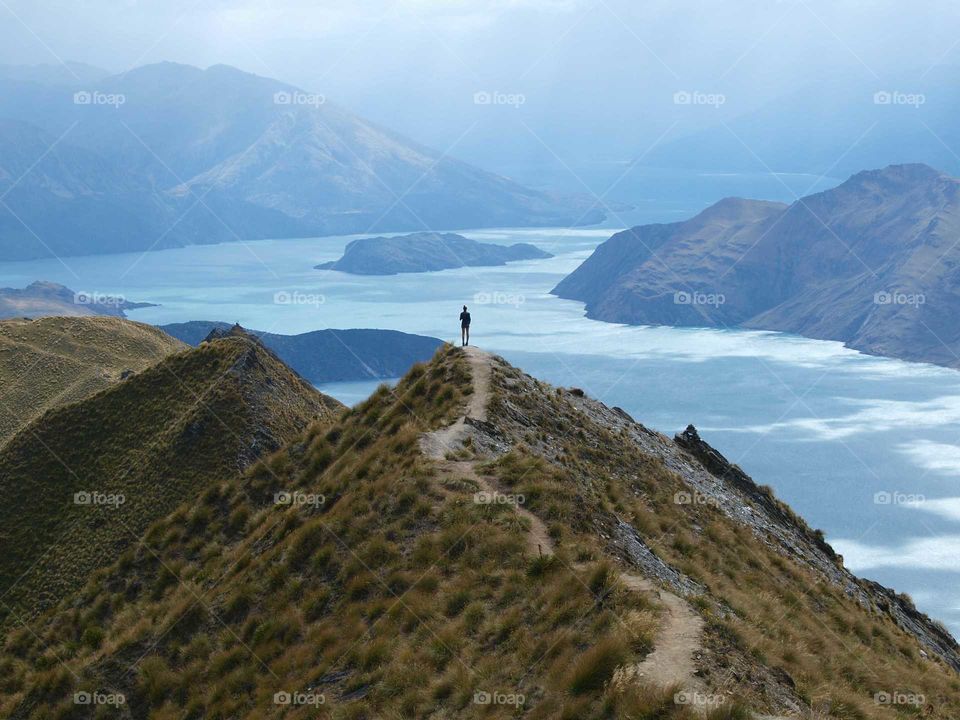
<point x="464" y="327"/>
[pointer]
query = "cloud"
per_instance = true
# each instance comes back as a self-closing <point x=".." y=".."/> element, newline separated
<point x="948" y="508"/>
<point x="939" y="553"/>
<point x="878" y="415"/>
<point x="933" y="456"/>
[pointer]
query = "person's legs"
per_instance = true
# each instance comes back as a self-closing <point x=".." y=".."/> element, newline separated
<point x="467" y="331"/>
<point x="463" y="335"/>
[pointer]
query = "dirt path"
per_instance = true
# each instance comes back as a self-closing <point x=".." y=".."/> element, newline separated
<point x="673" y="660"/>
<point x="438" y="444"/>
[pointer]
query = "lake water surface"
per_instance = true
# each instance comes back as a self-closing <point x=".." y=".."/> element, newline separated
<point x="868" y="449"/>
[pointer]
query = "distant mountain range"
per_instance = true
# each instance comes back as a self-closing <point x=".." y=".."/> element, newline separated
<point x="425" y="252"/>
<point x="46" y="299"/>
<point x="169" y="155"/>
<point x="324" y="356"/>
<point x="874" y="263"/>
<point x="836" y="127"/>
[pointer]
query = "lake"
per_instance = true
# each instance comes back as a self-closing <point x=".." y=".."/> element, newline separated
<point x="866" y="448"/>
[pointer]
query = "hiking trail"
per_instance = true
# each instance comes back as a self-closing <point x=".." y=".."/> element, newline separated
<point x="678" y="641"/>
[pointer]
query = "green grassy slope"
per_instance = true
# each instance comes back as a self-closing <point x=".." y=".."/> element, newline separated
<point x="50" y="362"/>
<point x="84" y="481"/>
<point x="386" y="591"/>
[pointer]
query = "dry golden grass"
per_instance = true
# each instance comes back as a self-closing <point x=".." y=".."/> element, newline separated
<point x="51" y="362"/>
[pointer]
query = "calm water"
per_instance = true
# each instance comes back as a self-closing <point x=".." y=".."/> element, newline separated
<point x="828" y="428"/>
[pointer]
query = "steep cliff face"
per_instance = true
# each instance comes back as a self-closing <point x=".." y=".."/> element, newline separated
<point x="872" y="263"/>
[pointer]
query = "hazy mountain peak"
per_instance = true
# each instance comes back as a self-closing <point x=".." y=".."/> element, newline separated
<point x="896" y="176"/>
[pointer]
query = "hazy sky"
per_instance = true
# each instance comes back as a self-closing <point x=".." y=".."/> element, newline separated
<point x="569" y="77"/>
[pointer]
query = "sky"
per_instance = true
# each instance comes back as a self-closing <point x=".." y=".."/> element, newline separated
<point x="568" y="81"/>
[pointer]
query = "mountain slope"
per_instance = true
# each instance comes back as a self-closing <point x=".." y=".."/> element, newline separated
<point x="872" y="262"/>
<point x="84" y="481"/>
<point x="324" y="356"/>
<point x="167" y="155"/>
<point x="51" y="362"/>
<point x="475" y="543"/>
<point x="49" y="299"/>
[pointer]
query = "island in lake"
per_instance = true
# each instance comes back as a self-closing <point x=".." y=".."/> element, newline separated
<point x="426" y="252"/>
